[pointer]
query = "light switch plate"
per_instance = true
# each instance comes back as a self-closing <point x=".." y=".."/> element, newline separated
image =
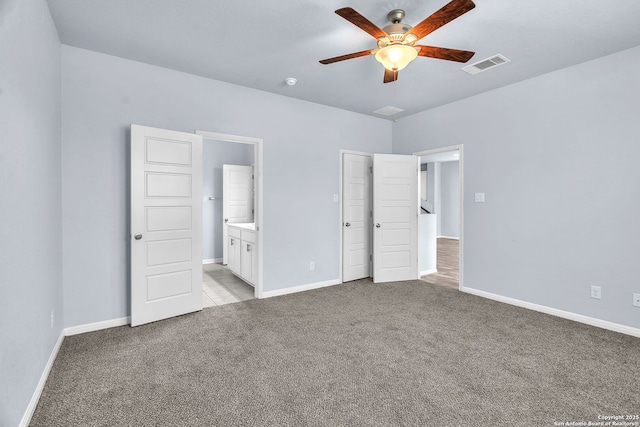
<point x="335" y="198"/>
<point x="479" y="197"/>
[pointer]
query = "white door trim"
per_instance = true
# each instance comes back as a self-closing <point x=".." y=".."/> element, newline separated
<point x="340" y="207"/>
<point x="258" y="158"/>
<point x="458" y="148"/>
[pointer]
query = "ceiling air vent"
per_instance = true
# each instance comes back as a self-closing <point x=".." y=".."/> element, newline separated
<point x="388" y="111"/>
<point x="485" y="64"/>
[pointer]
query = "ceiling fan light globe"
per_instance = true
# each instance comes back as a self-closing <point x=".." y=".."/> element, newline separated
<point x="396" y="57"/>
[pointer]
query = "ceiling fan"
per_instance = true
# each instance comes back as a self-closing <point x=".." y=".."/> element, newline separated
<point x="396" y="42"/>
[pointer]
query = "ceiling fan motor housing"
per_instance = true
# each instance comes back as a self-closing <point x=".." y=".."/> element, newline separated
<point x="396" y="35"/>
<point x="396" y="30"/>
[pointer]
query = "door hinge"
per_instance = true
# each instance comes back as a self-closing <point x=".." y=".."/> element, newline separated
<point x="370" y="257"/>
<point x="370" y="169"/>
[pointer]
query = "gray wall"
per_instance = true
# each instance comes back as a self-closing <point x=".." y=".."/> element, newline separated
<point x="557" y="157"/>
<point x="450" y="199"/>
<point x="434" y="177"/>
<point x="214" y="155"/>
<point x="30" y="210"/>
<point x="431" y="181"/>
<point x="427" y="243"/>
<point x="102" y="95"/>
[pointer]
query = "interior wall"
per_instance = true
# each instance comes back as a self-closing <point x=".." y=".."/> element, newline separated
<point x="557" y="157"/>
<point x="102" y="95"/>
<point x="30" y="207"/>
<point x="215" y="154"/>
<point x="431" y="181"/>
<point x="427" y="243"/>
<point x="435" y="178"/>
<point x="450" y="199"/>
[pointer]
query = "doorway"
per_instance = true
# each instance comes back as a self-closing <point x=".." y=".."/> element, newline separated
<point x="224" y="196"/>
<point x="214" y="271"/>
<point x="441" y="225"/>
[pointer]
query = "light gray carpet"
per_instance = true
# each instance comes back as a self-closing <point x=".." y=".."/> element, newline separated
<point x="391" y="354"/>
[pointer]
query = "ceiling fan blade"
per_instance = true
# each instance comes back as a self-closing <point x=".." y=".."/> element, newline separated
<point x="446" y="14"/>
<point x="390" y="76"/>
<point x="348" y="56"/>
<point x="361" y="22"/>
<point x="444" y="53"/>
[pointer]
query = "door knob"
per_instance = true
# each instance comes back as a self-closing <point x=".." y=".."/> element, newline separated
<point x="377" y="225"/>
<point x="347" y="224"/>
<point x="226" y="220"/>
<point x="138" y="236"/>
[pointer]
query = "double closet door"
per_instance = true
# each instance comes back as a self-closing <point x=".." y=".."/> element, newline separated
<point x="380" y="217"/>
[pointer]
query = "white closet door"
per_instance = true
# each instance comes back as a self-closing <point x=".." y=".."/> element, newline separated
<point x="356" y="219"/>
<point x="395" y="217"/>
<point x="166" y="224"/>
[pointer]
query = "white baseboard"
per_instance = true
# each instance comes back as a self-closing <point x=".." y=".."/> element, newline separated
<point x="448" y="237"/>
<point x="212" y="261"/>
<point x="604" y="324"/>
<point x="33" y="403"/>
<point x="97" y="326"/>
<point x="300" y="288"/>
<point x="432" y="271"/>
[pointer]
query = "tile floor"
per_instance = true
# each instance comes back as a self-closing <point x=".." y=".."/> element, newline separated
<point x="220" y="286"/>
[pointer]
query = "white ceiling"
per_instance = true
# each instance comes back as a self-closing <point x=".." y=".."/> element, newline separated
<point x="260" y="43"/>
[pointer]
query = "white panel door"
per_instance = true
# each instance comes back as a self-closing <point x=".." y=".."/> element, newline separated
<point x="356" y="219"/>
<point x="395" y="217"/>
<point x="237" y="198"/>
<point x="166" y="224"/>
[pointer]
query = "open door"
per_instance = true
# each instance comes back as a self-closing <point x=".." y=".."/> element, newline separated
<point x="166" y="224"/>
<point x="356" y="216"/>
<point x="395" y="217"/>
<point x="237" y="199"/>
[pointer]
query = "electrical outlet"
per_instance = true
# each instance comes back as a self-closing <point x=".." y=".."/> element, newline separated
<point x="312" y="265"/>
<point x="596" y="292"/>
<point x="52" y="319"/>
<point x="636" y="300"/>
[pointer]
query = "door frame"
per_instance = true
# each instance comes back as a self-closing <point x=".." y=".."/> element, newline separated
<point x="460" y="150"/>
<point x="258" y="216"/>
<point x="341" y="213"/>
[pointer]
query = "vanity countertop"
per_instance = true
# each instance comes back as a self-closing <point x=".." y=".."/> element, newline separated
<point x="244" y="225"/>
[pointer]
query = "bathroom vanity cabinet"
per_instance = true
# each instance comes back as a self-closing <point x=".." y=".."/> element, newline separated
<point x="242" y="251"/>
